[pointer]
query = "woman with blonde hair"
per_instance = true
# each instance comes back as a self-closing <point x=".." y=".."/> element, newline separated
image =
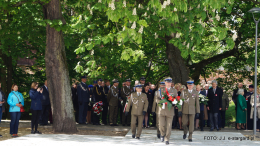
<point x="257" y="108"/>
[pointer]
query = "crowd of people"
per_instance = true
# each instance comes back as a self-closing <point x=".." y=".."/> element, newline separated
<point x="102" y="104"/>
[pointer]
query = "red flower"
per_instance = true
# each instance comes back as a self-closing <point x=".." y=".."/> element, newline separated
<point x="166" y="103"/>
<point x="162" y="97"/>
<point x="178" y="98"/>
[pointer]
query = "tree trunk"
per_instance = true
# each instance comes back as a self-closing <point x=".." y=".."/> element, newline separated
<point x="9" y="65"/>
<point x="58" y="74"/>
<point x="3" y="74"/>
<point x="178" y="70"/>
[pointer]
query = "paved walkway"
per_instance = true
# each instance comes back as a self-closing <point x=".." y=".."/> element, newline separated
<point x="148" y="138"/>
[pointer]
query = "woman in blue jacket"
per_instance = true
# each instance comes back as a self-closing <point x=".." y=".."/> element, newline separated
<point x="16" y="101"/>
<point x="36" y="106"/>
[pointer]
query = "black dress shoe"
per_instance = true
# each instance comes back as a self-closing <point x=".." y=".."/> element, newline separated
<point x="190" y="140"/>
<point x="32" y="132"/>
<point x="123" y="125"/>
<point x="167" y="142"/>
<point x="133" y="136"/>
<point x="159" y="135"/>
<point x="137" y="137"/>
<point x="184" y="136"/>
<point x="211" y="129"/>
<point x="201" y="130"/>
<point x="115" y="125"/>
<point x="1" y="136"/>
<point x="37" y="132"/>
<point x="217" y="129"/>
<point x="162" y="138"/>
<point x="111" y="124"/>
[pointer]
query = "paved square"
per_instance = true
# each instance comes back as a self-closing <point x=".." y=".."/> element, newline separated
<point x="148" y="138"/>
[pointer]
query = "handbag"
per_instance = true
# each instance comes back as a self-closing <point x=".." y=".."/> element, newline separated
<point x="21" y="108"/>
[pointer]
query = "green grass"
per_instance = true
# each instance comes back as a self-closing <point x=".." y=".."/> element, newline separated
<point x="230" y="114"/>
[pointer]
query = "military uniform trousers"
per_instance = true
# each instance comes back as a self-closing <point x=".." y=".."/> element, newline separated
<point x="185" y="119"/>
<point x="113" y="114"/>
<point x="126" y="119"/>
<point x="140" y="119"/>
<point x="157" y="123"/>
<point x="165" y="126"/>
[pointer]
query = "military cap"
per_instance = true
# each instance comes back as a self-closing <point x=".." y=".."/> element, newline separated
<point x="251" y="86"/>
<point x="169" y="79"/>
<point x="115" y="81"/>
<point x="138" y="86"/>
<point x="142" y="78"/>
<point x="100" y="80"/>
<point x="83" y="77"/>
<point x="94" y="82"/>
<point x="128" y="80"/>
<point x="189" y="82"/>
<point x="162" y="83"/>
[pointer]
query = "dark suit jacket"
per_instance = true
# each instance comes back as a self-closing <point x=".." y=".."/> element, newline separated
<point x="215" y="100"/>
<point x="45" y="98"/>
<point x="98" y="94"/>
<point x="83" y="96"/>
<point x="3" y="96"/>
<point x="150" y="98"/>
<point x="201" y="104"/>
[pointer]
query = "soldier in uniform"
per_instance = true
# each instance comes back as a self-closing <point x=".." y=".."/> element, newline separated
<point x="125" y="93"/>
<point x="83" y="99"/>
<point x="112" y="99"/>
<point x="142" y="81"/>
<point x="155" y="108"/>
<point x="166" y="115"/>
<point x="105" y="104"/>
<point x="139" y="103"/>
<point x="190" y="107"/>
<point x="99" y="95"/>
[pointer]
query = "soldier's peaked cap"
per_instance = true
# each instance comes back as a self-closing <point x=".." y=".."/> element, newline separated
<point x="162" y="83"/>
<point x="138" y="86"/>
<point x="189" y="82"/>
<point x="128" y="80"/>
<point x="169" y="79"/>
<point x="142" y="78"/>
<point x="115" y="81"/>
<point x="83" y="77"/>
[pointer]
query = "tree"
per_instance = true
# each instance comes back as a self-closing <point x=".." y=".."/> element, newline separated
<point x="57" y="72"/>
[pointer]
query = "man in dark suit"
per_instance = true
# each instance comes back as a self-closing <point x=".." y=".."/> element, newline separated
<point x="105" y="103"/>
<point x="75" y="101"/>
<point x="206" y="111"/>
<point x="201" y="116"/>
<point x="214" y="104"/>
<point x="83" y="99"/>
<point x="99" y="95"/>
<point x="46" y="105"/>
<point x="248" y="100"/>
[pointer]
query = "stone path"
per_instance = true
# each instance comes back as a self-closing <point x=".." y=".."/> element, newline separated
<point x="148" y="138"/>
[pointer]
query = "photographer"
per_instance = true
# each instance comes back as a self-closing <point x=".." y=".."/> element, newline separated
<point x="36" y="106"/>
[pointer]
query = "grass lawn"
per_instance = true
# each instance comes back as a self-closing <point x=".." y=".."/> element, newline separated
<point x="231" y="115"/>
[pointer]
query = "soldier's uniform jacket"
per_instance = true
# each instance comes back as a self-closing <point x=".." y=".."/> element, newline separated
<point x="112" y="97"/>
<point x="191" y="103"/>
<point x="166" y="111"/>
<point x="125" y="91"/>
<point x="138" y="103"/>
<point x="155" y="107"/>
<point x="98" y="93"/>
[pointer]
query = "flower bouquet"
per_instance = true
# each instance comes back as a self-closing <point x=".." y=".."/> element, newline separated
<point x="128" y="98"/>
<point x="97" y="107"/>
<point x="203" y="99"/>
<point x="168" y="100"/>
